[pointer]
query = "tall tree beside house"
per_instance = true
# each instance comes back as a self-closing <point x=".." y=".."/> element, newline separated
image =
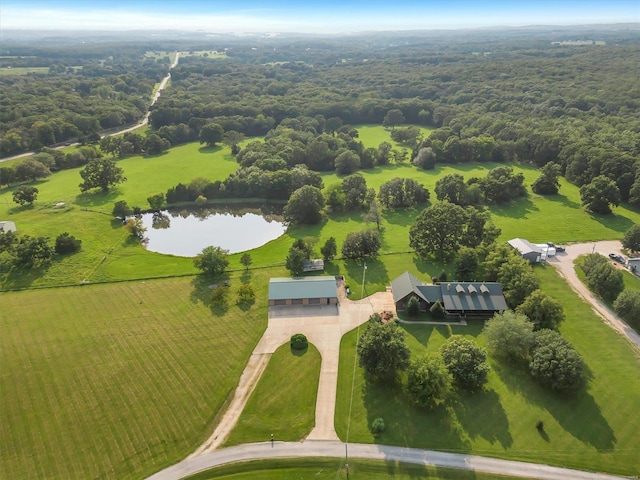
<point x="438" y="230"/>
<point x="382" y="351"/>
<point x="631" y="239"/>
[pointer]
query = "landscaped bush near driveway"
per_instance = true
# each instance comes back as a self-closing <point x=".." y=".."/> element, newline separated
<point x="299" y="341"/>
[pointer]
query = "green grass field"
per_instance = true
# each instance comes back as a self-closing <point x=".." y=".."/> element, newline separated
<point x="596" y="430"/>
<point x="333" y="469"/>
<point x="107" y="253"/>
<point x="24" y="70"/>
<point x="284" y="401"/>
<point x="117" y="381"/>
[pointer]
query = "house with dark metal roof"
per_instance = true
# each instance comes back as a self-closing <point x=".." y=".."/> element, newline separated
<point x="406" y="286"/>
<point x="472" y="299"/>
<point x="459" y="299"/>
<point x="321" y="290"/>
<point x="527" y="250"/>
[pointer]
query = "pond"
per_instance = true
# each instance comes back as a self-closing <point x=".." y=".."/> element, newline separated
<point x="235" y="228"/>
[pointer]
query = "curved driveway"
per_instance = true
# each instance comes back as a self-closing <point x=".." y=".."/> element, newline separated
<point x="564" y="263"/>
<point x="332" y="449"/>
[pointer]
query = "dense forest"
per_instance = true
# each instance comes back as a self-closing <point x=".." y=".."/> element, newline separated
<point x="521" y="95"/>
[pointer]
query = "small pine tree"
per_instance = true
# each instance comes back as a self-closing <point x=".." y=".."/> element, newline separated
<point x="437" y="310"/>
<point x="413" y="306"/>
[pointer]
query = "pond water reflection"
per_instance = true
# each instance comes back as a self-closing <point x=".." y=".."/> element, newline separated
<point x="235" y="228"/>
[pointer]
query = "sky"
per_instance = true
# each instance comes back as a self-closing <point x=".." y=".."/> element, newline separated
<point x="328" y="16"/>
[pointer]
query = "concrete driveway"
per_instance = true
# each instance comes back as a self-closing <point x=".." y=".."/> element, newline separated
<point x="324" y="327"/>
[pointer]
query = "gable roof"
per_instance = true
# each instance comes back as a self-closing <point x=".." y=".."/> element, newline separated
<point x="473" y="296"/>
<point x="404" y="285"/>
<point x="431" y="293"/>
<point x="302" y="287"/>
<point x="524" y="246"/>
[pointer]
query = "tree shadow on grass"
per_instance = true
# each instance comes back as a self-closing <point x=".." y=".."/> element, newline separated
<point x="481" y="415"/>
<point x="428" y="267"/>
<point x="210" y="150"/>
<point x="376" y="271"/>
<point x="612" y="221"/>
<point x="406" y="470"/>
<point x="299" y="352"/>
<point x="202" y="293"/>
<point x="577" y="414"/>
<point x="559" y="198"/>
<point x="404" y="216"/>
<point x="515" y="209"/>
<point x="97" y="198"/>
<point x="409" y="426"/>
<point x="21" y="277"/>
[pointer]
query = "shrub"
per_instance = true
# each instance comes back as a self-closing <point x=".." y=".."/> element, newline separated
<point x="299" y="342"/>
<point x="66" y="243"/>
<point x="219" y="295"/>
<point x="428" y="381"/>
<point x="555" y="363"/>
<point x="413" y="307"/>
<point x="246" y="294"/>
<point x="364" y="243"/>
<point x="377" y="426"/>
<point x="121" y="209"/>
<point x="509" y="335"/>
<point x="437" y="310"/>
<point x="201" y="200"/>
<point x="466" y="362"/>
<point x="627" y="305"/>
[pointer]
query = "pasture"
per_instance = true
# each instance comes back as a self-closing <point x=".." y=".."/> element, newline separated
<point x="108" y="254"/>
<point x="595" y="430"/>
<point x="117" y="381"/>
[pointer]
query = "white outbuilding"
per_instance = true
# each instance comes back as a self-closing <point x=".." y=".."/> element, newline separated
<point x="7" y="226"/>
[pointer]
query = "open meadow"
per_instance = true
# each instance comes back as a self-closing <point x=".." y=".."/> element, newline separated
<point x="596" y="430"/>
<point x="109" y="254"/>
<point x="119" y="380"/>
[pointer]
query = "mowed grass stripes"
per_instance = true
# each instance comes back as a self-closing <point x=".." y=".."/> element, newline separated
<point x="116" y="381"/>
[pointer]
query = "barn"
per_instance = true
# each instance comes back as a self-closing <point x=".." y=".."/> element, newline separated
<point x="527" y="250"/>
<point x="321" y="290"/>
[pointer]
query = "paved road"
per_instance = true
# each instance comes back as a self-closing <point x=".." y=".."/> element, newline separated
<point x="564" y="263"/>
<point x="144" y="121"/>
<point x="332" y="449"/>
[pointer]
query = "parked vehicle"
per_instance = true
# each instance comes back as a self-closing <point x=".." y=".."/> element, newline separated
<point x="617" y="258"/>
<point x="557" y="247"/>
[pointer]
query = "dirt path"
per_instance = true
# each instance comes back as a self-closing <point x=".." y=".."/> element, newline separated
<point x="564" y="262"/>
